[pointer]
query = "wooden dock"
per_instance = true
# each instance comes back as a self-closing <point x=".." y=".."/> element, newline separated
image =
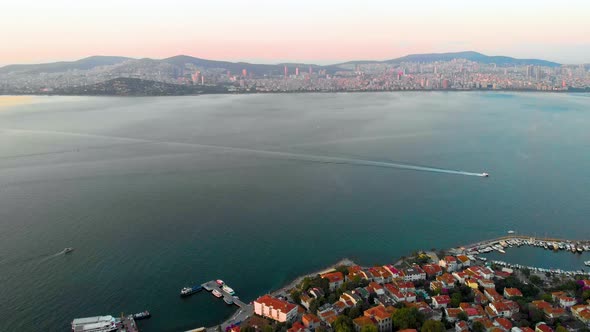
<point x="246" y="310"/>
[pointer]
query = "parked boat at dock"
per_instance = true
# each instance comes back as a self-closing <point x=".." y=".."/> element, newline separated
<point x="186" y="291"/>
<point x="217" y="293"/>
<point x="228" y="290"/>
<point x="142" y="315"/>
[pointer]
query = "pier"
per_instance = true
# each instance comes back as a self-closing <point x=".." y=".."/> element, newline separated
<point x="244" y="312"/>
<point x="128" y="324"/>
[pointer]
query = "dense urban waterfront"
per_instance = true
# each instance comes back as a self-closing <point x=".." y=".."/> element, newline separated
<point x="138" y="188"/>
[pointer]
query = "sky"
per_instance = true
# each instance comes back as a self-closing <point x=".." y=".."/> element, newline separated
<point x="288" y="30"/>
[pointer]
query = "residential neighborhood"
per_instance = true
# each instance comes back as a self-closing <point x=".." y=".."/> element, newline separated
<point x="453" y="292"/>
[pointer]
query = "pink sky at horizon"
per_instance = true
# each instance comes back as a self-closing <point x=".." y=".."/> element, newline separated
<point x="274" y="31"/>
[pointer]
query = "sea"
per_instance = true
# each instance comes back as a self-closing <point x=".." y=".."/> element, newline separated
<point x="158" y="193"/>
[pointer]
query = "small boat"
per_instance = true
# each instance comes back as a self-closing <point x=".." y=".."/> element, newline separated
<point x="186" y="291"/>
<point x="228" y="300"/>
<point x="485" y="175"/>
<point x="142" y="315"/>
<point x="219" y="282"/>
<point x="501" y="251"/>
<point x="68" y="250"/>
<point x="228" y="290"/>
<point x="511" y="232"/>
<point x="587" y="263"/>
<point x="217" y="293"/>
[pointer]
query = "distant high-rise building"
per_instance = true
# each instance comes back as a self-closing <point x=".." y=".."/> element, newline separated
<point x="244" y="72"/>
<point x="297" y="71"/>
<point x="286" y="71"/>
<point x="310" y="70"/>
<point x="445" y="84"/>
<point x="529" y="72"/>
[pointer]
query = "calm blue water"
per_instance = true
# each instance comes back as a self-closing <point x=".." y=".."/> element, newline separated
<point x="149" y="209"/>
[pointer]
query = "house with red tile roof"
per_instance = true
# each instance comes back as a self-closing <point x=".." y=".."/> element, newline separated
<point x="503" y="323"/>
<point x="512" y="292"/>
<point x="503" y="308"/>
<point x="381" y="275"/>
<point x="581" y="312"/>
<point x="414" y="273"/>
<point x="310" y="321"/>
<point x="394" y="272"/>
<point x="463" y="261"/>
<point x="447" y="280"/>
<point x="405" y="286"/>
<point x="449" y="263"/>
<point x="381" y="316"/>
<point x="540" y="304"/>
<point x="376" y="288"/>
<point x="336" y="279"/>
<point x="486" y="283"/>
<point x="553" y="313"/>
<point x="305" y="300"/>
<point x="440" y="301"/>
<point x="297" y="327"/>
<point x="492" y="295"/>
<point x="461" y="326"/>
<point x="273" y="308"/>
<point x="566" y="301"/>
<point x="452" y="314"/>
<point x="436" y="286"/>
<point x="472" y="310"/>
<point x="542" y="327"/>
<point x="361" y="322"/>
<point x="328" y="315"/>
<point x="460" y="276"/>
<point x="432" y="270"/>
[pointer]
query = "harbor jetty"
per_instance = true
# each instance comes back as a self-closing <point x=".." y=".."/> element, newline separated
<point x="245" y="310"/>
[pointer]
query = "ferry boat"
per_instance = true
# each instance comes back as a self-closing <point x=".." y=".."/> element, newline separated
<point x="217" y="293"/>
<point x="228" y="290"/>
<point x="142" y="315"/>
<point x="186" y="291"/>
<point x="228" y="300"/>
<point x="68" y="250"/>
<point x="95" y="324"/>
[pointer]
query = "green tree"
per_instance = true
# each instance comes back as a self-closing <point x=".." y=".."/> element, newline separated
<point x="369" y="328"/>
<point x="526" y="272"/>
<point x="313" y="306"/>
<point x="463" y="316"/>
<point x="354" y="312"/>
<point x="547" y="297"/>
<point x="407" y="318"/>
<point x="295" y="295"/>
<point x="343" y="324"/>
<point x="456" y="299"/>
<point x="249" y="329"/>
<point x="343" y="269"/>
<point x="267" y="328"/>
<point x="320" y="329"/>
<point x="536" y="280"/>
<point x="586" y="295"/>
<point x="561" y="329"/>
<point x="478" y="327"/>
<point x="432" y="326"/>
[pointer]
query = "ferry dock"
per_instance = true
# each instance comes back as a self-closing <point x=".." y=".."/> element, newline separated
<point x="245" y="310"/>
<point x="128" y="324"/>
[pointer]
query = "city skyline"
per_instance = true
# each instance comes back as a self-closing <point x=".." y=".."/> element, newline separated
<point x="266" y="32"/>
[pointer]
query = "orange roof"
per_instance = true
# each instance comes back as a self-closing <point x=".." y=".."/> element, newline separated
<point x="527" y="329"/>
<point x="544" y="328"/>
<point x="308" y="319"/>
<point x="281" y="305"/>
<point x="363" y="321"/>
<point x="442" y="299"/>
<point x="540" y="304"/>
<point x="504" y="323"/>
<point x="334" y="276"/>
<point x="378" y="312"/>
<point x="297" y="326"/>
<point x="510" y="292"/>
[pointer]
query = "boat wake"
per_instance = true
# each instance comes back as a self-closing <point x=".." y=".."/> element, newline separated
<point x="274" y="154"/>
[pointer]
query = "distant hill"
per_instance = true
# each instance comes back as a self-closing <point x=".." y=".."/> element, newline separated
<point x="137" y="87"/>
<point x="468" y="55"/>
<point x="472" y="56"/>
<point x="55" y="67"/>
<point x="237" y="67"/>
